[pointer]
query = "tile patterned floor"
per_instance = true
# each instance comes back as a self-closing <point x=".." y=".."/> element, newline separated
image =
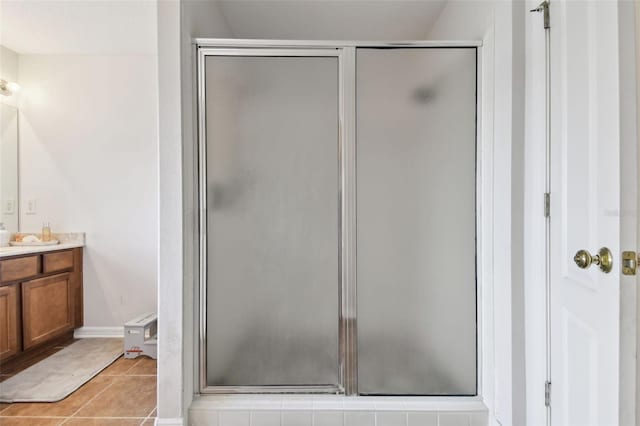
<point x="123" y="394"/>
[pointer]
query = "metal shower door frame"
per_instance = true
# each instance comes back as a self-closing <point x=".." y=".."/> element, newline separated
<point x="346" y="200"/>
<point x="345" y="52"/>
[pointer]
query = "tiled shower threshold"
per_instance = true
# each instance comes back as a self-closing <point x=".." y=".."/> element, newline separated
<point x="330" y="410"/>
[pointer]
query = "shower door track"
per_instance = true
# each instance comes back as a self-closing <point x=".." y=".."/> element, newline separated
<point x="345" y="52"/>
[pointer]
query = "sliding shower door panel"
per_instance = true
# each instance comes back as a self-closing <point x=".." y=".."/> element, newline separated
<point x="272" y="203"/>
<point x="416" y="158"/>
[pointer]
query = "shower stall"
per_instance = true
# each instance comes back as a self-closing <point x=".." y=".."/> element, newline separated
<point x="337" y="190"/>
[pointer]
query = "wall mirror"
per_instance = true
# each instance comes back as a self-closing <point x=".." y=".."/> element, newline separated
<point x="9" y="167"/>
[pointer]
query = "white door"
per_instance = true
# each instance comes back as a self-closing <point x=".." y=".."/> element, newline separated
<point x="585" y="200"/>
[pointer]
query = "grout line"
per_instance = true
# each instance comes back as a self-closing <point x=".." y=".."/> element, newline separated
<point x="123" y="373"/>
<point x="90" y="400"/>
<point x="133" y="365"/>
<point x="100" y="393"/>
<point x="109" y="418"/>
<point x="63" y="419"/>
<point x="35" y="416"/>
<point x="113" y="380"/>
<point x="148" y="415"/>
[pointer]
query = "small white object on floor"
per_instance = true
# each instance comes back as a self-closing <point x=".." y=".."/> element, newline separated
<point x="140" y="336"/>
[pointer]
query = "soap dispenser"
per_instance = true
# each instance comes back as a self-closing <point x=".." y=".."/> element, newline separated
<point x="46" y="232"/>
<point x="5" y="236"/>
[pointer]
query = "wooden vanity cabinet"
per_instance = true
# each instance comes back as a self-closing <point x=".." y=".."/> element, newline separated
<point x="47" y="309"/>
<point x="40" y="301"/>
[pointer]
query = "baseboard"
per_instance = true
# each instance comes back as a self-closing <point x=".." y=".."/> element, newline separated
<point x="169" y="422"/>
<point x="89" y="332"/>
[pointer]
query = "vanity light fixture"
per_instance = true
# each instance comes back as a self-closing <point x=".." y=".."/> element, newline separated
<point x="8" y="88"/>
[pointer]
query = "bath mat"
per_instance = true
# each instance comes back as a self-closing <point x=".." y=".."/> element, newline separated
<point x="57" y="376"/>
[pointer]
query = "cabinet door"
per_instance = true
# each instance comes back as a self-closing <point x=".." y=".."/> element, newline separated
<point x="8" y="321"/>
<point x="47" y="306"/>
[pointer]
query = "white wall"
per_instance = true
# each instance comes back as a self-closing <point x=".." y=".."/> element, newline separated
<point x="463" y="20"/>
<point x="9" y="166"/>
<point x="8" y="65"/>
<point x="88" y="157"/>
<point x="199" y="19"/>
<point x="9" y="72"/>
<point x="178" y="22"/>
<point x="8" y="140"/>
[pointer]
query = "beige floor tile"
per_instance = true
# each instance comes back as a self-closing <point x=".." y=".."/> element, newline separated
<point x="30" y="421"/>
<point x="63" y="408"/>
<point x="128" y="396"/>
<point x="146" y="366"/>
<point x="79" y="421"/>
<point x="120" y="367"/>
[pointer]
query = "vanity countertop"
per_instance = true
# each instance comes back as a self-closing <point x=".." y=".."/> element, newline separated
<point x="67" y="241"/>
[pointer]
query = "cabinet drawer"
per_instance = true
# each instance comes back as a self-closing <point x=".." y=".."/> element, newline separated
<point x="47" y="307"/>
<point x="20" y="268"/>
<point x="60" y="261"/>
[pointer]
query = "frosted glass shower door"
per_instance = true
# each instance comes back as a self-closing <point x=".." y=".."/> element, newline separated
<point x="272" y="180"/>
<point x="416" y="216"/>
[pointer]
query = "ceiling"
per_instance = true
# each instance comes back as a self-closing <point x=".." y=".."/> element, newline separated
<point x="129" y="26"/>
<point x="331" y="19"/>
<point x="79" y="26"/>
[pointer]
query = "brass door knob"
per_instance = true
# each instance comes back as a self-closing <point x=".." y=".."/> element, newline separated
<point x="603" y="259"/>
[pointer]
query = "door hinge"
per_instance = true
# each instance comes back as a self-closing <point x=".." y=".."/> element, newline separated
<point x="544" y="8"/>
<point x="547" y="204"/>
<point x="547" y="394"/>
